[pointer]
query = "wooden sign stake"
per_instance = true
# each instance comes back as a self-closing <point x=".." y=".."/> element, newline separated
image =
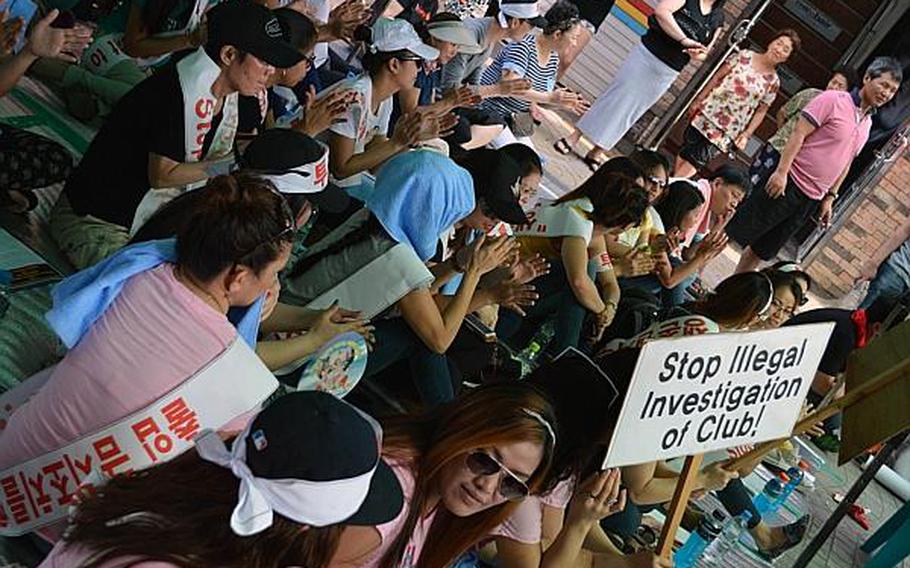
<point x="677" y="508"/>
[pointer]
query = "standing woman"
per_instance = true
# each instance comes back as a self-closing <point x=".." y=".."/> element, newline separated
<point x="734" y="103"/>
<point x="592" y="13"/>
<point x="678" y="31"/>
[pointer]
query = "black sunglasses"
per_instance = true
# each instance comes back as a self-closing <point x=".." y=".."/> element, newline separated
<point x="510" y="487"/>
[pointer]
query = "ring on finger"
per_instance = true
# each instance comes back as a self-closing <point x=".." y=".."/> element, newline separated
<point x="591" y="495"/>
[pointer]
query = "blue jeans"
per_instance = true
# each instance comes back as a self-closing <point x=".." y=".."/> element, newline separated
<point x="888" y="284"/>
<point x="556" y="300"/>
<point x="670" y="297"/>
<point x="396" y="341"/>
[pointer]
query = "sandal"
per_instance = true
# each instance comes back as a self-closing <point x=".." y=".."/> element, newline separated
<point x="562" y="147"/>
<point x="8" y="203"/>
<point x="593" y="164"/>
<point x="794" y="532"/>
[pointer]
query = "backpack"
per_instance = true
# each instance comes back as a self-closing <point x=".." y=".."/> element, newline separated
<point x="637" y="311"/>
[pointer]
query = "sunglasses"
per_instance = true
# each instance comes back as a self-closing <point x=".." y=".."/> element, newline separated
<point x="510" y="487"/>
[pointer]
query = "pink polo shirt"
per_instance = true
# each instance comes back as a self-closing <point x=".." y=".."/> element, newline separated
<point x="154" y="336"/>
<point x="525" y="525"/>
<point x="703" y="225"/>
<point x="840" y="134"/>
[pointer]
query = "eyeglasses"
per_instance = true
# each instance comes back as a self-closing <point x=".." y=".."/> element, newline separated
<point x="510" y="487"/>
<point x="779" y="305"/>
<point x="658" y="181"/>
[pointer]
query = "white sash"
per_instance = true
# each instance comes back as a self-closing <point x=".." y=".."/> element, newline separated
<point x="197" y="73"/>
<point x="570" y="219"/>
<point x="378" y="285"/>
<point x="39" y="492"/>
<point x="104" y="53"/>
<point x="682" y="326"/>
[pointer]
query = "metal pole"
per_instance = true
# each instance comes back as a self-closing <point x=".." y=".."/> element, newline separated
<point x="739" y="33"/>
<point x="852" y="495"/>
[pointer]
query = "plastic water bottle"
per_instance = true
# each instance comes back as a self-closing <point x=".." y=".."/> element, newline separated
<point x="722" y="521"/>
<point x="698" y="541"/>
<point x="717" y="552"/>
<point x="765" y="501"/>
<point x="528" y="358"/>
<point x="795" y="477"/>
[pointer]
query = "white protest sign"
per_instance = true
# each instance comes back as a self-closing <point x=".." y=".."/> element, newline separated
<point x="692" y="395"/>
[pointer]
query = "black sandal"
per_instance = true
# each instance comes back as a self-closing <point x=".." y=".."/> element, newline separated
<point x="593" y="164"/>
<point x="7" y="203"/>
<point x="562" y="147"/>
<point x="794" y="532"/>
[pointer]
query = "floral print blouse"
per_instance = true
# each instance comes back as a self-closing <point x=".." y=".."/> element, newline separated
<point x="729" y="108"/>
<point x="466" y="8"/>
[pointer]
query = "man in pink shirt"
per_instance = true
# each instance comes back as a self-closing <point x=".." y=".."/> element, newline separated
<point x="831" y="131"/>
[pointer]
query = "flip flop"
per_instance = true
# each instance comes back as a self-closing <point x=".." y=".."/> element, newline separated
<point x="562" y="147"/>
<point x="7" y="202"/>
<point x="593" y="164"/>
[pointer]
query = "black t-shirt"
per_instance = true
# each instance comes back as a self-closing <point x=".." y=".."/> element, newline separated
<point x="249" y="115"/>
<point x="112" y="177"/>
<point x="594" y="11"/>
<point x="842" y="341"/>
<point x="696" y="26"/>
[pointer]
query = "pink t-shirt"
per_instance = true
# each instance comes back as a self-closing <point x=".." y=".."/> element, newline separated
<point x="525" y="525"/>
<point x="389" y="531"/>
<point x="703" y="226"/>
<point x="154" y="336"/>
<point x="63" y="556"/>
<point x="840" y="134"/>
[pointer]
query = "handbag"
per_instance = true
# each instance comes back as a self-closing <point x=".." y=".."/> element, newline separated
<point x="522" y="124"/>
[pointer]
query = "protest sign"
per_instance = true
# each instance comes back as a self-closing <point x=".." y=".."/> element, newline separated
<point x="692" y="395"/>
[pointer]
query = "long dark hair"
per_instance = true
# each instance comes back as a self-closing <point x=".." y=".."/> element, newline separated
<point x="372" y="227"/>
<point x="617" y="198"/>
<point x="489" y="415"/>
<point x="179" y="512"/>
<point x="680" y="198"/>
<point x="737" y="300"/>
<point x="238" y="219"/>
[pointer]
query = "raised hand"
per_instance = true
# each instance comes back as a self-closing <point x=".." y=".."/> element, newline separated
<point x="599" y="496"/>
<point x="67" y="45"/>
<point x="486" y="254"/>
<point x="321" y="114"/>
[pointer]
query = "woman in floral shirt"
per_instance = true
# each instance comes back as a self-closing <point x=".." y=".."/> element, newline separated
<point x="733" y="104"/>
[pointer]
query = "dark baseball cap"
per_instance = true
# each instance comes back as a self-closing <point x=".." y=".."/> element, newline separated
<point x="253" y="29"/>
<point x="317" y="437"/>
<point x="497" y="178"/>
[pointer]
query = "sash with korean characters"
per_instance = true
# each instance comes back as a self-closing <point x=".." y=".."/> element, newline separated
<point x="40" y="491"/>
<point x="682" y="326"/>
<point x="569" y="219"/>
<point x="197" y="73"/>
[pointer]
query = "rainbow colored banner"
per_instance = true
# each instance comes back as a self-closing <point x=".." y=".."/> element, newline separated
<point x="634" y="14"/>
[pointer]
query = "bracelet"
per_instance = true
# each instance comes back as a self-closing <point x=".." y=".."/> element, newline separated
<point x="830" y="194"/>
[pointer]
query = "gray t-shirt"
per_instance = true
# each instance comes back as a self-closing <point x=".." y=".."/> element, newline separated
<point x="464" y="68"/>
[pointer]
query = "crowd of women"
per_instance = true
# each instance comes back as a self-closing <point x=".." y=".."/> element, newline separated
<point x="249" y="187"/>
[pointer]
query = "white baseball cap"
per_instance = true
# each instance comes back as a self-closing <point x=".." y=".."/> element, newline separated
<point x="399" y="35"/>
<point x="523" y="9"/>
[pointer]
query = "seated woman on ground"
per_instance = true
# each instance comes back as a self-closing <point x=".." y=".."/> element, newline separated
<point x="376" y="263"/>
<point x="558" y="526"/>
<point x="788" y="297"/>
<point x="29" y="161"/>
<point x="570" y="234"/>
<point x="163" y="307"/>
<point x="464" y="467"/>
<point x="535" y="58"/>
<point x="278" y="104"/>
<point x="653" y="484"/>
<point x="189" y="508"/>
<point x="358" y="143"/>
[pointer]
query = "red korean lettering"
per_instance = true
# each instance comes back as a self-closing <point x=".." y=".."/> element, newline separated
<point x="15" y="499"/>
<point x="204" y="107"/>
<point x="322" y="173"/>
<point x="108" y="451"/>
<point x="153" y="441"/>
<point x="182" y="420"/>
<point x="59" y="480"/>
<point x="41" y="501"/>
<point x="694" y="326"/>
<point x="669" y="329"/>
<point x="605" y="260"/>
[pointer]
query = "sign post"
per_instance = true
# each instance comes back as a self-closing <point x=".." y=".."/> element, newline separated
<point x="692" y="395"/>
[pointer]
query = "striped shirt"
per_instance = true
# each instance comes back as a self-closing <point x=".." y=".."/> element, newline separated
<point x="521" y="58"/>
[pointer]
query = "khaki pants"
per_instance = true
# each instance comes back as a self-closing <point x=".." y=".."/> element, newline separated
<point x="85" y="240"/>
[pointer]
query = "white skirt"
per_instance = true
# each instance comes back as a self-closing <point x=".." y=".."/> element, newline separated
<point x="640" y="82"/>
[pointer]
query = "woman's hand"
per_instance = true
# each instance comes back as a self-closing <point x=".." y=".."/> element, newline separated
<point x="486" y="254"/>
<point x="334" y="321"/>
<point x="530" y="269"/>
<point x="514" y="295"/>
<point x="712" y="245"/>
<point x="603" y="320"/>
<point x="320" y="114"/>
<point x="599" y="496"/>
<point x="347" y="17"/>
<point x="68" y="45"/>
<point x="461" y="97"/>
<point x="715" y="477"/>
<point x="512" y="87"/>
<point x="741" y="141"/>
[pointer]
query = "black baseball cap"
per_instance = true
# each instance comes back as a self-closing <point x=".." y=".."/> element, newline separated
<point x="315" y="436"/>
<point x="253" y="29"/>
<point x="497" y="178"/>
<point x="281" y="149"/>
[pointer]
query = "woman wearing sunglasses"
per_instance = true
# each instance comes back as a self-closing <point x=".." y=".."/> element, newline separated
<point x="558" y="526"/>
<point x="463" y="468"/>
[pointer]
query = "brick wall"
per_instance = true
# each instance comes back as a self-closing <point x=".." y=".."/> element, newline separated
<point x="882" y="211"/>
<point x="734" y="13"/>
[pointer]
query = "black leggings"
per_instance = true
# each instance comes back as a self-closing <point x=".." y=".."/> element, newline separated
<point x="29" y="161"/>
